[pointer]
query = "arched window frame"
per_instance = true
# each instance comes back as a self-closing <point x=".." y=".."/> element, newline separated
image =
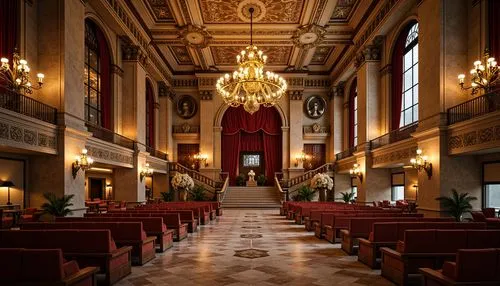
<point x="405" y="78"/>
<point x="353" y="113"/>
<point x="97" y="77"/>
<point x="150" y="115"/>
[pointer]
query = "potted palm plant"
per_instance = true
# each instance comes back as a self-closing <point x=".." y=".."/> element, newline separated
<point x="457" y="204"/>
<point x="57" y="206"/>
<point x="305" y="194"/>
<point x="347" y="197"/>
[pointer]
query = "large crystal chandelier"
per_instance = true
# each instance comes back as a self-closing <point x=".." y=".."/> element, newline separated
<point x="250" y="86"/>
<point x="17" y="77"/>
<point x="483" y="75"/>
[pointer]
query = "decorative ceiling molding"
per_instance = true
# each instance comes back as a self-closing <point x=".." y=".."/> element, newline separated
<point x="321" y="55"/>
<point x="181" y="55"/>
<point x="343" y="10"/>
<point x="195" y="36"/>
<point x="160" y="10"/>
<point x="309" y="36"/>
<point x="226" y="55"/>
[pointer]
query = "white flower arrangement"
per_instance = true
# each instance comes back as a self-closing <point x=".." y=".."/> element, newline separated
<point x="182" y="181"/>
<point x="321" y="181"/>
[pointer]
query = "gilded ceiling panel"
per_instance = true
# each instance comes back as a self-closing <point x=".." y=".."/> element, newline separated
<point x="181" y="55"/>
<point x="266" y="11"/>
<point x="343" y="10"/>
<point x="160" y="10"/>
<point x="227" y="55"/>
<point x="321" y="55"/>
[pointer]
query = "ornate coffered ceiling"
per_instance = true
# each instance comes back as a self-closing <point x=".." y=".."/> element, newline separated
<point x="297" y="35"/>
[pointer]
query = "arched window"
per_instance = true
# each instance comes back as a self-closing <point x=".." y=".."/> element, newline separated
<point x="150" y="115"/>
<point x="353" y="114"/>
<point x="97" y="77"/>
<point x="405" y="78"/>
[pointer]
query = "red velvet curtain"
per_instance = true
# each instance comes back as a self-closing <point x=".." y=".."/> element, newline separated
<point x="105" y="70"/>
<point x="352" y="94"/>
<point x="242" y="131"/>
<point x="494" y="27"/>
<point x="9" y="27"/>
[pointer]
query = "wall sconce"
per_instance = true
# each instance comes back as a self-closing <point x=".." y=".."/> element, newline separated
<point x="82" y="162"/>
<point x="420" y="163"/>
<point x="146" y="172"/>
<point x="416" y="192"/>
<point x="355" y="171"/>
<point x="300" y="158"/>
<point x="109" y="187"/>
<point x="201" y="159"/>
<point x="8" y="185"/>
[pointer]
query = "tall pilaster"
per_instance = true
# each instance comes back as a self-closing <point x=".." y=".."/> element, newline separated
<point x="296" y="125"/>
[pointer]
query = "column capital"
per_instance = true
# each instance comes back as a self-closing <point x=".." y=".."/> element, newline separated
<point x="133" y="52"/>
<point x="337" y="90"/>
<point x="165" y="90"/>
<point x="116" y="70"/>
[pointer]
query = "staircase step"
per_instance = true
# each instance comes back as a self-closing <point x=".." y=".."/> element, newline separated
<point x="251" y="197"/>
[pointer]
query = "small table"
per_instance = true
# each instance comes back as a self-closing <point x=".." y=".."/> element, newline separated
<point x="16" y="214"/>
<point x="93" y="206"/>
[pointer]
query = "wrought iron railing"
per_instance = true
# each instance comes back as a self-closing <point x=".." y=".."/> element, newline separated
<point x="394" y="136"/>
<point x="346" y="153"/>
<point x="475" y="107"/>
<point x="109" y="136"/>
<point x="27" y="106"/>
<point x="156" y="153"/>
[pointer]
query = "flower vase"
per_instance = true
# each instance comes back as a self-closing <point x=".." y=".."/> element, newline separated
<point x="322" y="194"/>
<point x="182" y="194"/>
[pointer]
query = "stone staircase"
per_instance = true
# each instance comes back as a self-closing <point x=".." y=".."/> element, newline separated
<point x="251" y="197"/>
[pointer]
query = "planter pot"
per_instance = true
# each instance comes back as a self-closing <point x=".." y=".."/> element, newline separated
<point x="183" y="195"/>
<point x="322" y="194"/>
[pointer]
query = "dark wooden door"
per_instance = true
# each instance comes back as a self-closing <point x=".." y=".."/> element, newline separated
<point x="317" y="155"/>
<point x="185" y="153"/>
<point x="97" y="186"/>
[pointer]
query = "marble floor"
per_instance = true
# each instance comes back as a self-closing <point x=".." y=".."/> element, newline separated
<point x="253" y="247"/>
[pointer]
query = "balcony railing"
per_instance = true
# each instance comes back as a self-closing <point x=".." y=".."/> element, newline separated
<point x="155" y="153"/>
<point x="394" y="136"/>
<point x="27" y="106"/>
<point x="346" y="153"/>
<point x="109" y="136"/>
<point x="473" y="108"/>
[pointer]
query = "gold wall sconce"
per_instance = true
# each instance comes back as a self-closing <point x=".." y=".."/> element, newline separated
<point x="82" y="162"/>
<point x="420" y="162"/>
<point x="146" y="172"/>
<point x="355" y="172"/>
<point x="301" y="158"/>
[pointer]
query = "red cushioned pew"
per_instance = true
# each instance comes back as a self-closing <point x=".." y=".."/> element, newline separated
<point x="19" y="267"/>
<point x="387" y="234"/>
<point x="90" y="248"/>
<point x="429" y="248"/>
<point x="187" y="216"/>
<point x="472" y="267"/>
<point x="153" y="226"/>
<point x="123" y="233"/>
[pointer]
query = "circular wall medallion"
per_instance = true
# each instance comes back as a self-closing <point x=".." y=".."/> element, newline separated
<point x="186" y="106"/>
<point x="315" y="106"/>
<point x="244" y="13"/>
<point x="309" y="36"/>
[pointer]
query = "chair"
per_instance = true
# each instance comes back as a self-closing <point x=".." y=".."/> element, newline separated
<point x="490" y="212"/>
<point x="5" y="222"/>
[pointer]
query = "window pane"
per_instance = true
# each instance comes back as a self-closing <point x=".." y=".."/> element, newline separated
<point x="408" y="83"/>
<point x="398" y="193"/>
<point x="415" y="53"/>
<point x="408" y="116"/>
<point x="415" y="74"/>
<point x="492" y="195"/>
<point x="415" y="94"/>
<point x="401" y="121"/>
<point x="407" y="61"/>
<point x="93" y="116"/>
<point x="93" y="78"/>
<point x="415" y="113"/>
<point x="355" y="192"/>
<point x="93" y="59"/>
<point x="355" y="117"/>
<point x="355" y="141"/>
<point x="355" y="102"/>
<point x="408" y="99"/>
<point x="93" y="98"/>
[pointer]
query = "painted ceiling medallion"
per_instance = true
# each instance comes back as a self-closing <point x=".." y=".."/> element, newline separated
<point x="195" y="36"/>
<point x="244" y="7"/>
<point x="309" y="36"/>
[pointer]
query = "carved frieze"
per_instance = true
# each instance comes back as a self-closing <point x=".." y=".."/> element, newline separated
<point x="185" y="82"/>
<point x="296" y="94"/>
<point x="206" y="94"/>
<point x="29" y="136"/>
<point x="395" y="156"/>
<point x="98" y="153"/>
<point x="473" y="138"/>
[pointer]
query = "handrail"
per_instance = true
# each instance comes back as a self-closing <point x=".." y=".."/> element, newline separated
<point x="475" y="107"/>
<point x="174" y="166"/>
<point x="109" y="136"/>
<point x="28" y="106"/>
<point x="394" y="136"/>
<point x="309" y="175"/>
<point x="221" y="194"/>
<point x="283" y="192"/>
<point x="346" y="153"/>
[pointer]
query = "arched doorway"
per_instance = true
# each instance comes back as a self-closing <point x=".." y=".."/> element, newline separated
<point x="251" y="142"/>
